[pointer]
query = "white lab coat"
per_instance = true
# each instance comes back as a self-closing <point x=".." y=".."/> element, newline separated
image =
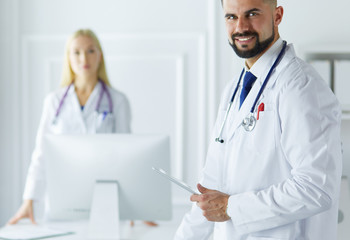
<point x="283" y="178"/>
<point x="72" y="120"/>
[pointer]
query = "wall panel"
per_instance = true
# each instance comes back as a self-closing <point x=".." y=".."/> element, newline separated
<point x="161" y="54"/>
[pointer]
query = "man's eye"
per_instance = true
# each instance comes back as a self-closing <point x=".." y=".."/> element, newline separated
<point x="230" y="18"/>
<point x="252" y="14"/>
<point x="76" y="52"/>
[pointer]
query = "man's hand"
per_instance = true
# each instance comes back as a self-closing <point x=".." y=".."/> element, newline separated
<point x="213" y="203"/>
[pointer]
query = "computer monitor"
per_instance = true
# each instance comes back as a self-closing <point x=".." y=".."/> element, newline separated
<point x="75" y="162"/>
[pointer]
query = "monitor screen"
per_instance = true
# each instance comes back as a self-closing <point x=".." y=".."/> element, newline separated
<point x="75" y="162"/>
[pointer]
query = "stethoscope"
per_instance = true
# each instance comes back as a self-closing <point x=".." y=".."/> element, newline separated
<point x="103" y="90"/>
<point x="249" y="122"/>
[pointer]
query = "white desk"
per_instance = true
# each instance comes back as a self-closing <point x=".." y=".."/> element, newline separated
<point x="140" y="231"/>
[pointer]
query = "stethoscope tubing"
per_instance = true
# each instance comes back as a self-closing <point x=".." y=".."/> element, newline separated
<point x="104" y="90"/>
<point x="269" y="75"/>
<point x="218" y="139"/>
<point x="110" y="103"/>
<point x="58" y="110"/>
<point x="278" y="59"/>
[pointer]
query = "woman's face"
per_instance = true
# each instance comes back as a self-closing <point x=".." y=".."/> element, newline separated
<point x="84" y="57"/>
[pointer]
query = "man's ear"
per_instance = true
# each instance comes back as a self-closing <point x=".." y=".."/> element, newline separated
<point x="278" y="15"/>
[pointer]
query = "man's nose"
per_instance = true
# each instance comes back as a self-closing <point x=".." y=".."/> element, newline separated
<point x="242" y="25"/>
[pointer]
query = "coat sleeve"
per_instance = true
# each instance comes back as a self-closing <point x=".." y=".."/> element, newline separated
<point x="309" y="116"/>
<point x="35" y="182"/>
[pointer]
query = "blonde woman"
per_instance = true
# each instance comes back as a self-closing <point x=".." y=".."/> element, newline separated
<point x="86" y="104"/>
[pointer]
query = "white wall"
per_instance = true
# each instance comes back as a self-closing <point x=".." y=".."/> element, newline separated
<point x="306" y="24"/>
<point x="9" y="123"/>
<point x="153" y="46"/>
<point x="310" y="23"/>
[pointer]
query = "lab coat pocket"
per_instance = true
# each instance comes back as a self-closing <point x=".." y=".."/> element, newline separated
<point x="263" y="136"/>
<point x="104" y="123"/>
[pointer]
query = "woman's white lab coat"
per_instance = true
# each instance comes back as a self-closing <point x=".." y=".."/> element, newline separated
<point x="72" y="120"/>
<point x="283" y="178"/>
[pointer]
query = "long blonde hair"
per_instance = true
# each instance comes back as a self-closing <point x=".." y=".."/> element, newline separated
<point x="67" y="74"/>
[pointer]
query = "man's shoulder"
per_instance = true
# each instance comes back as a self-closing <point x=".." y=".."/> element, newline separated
<point x="292" y="68"/>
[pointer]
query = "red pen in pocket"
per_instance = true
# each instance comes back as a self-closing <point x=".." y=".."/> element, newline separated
<point x="260" y="109"/>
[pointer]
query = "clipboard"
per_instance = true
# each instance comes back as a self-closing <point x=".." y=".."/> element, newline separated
<point x="174" y="180"/>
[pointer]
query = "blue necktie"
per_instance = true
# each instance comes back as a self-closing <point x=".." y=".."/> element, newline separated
<point x="248" y="81"/>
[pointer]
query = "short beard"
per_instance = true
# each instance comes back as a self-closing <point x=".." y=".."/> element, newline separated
<point x="257" y="49"/>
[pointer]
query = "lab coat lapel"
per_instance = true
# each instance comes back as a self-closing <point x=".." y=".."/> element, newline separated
<point x="77" y="107"/>
<point x="92" y="100"/>
<point x="89" y="115"/>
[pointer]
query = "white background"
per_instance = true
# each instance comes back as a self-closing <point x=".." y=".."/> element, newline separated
<point x="171" y="58"/>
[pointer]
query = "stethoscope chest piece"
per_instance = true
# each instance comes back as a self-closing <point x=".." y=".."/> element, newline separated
<point x="249" y="123"/>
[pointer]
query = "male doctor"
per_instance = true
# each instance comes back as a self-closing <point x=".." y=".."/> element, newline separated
<point x="274" y="162"/>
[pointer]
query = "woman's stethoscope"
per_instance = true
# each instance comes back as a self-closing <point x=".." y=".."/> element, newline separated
<point x="249" y="122"/>
<point x="103" y="90"/>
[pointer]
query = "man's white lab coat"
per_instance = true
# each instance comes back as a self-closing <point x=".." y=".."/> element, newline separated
<point x="283" y="178"/>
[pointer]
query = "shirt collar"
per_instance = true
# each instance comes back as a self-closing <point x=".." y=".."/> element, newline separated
<point x="260" y="65"/>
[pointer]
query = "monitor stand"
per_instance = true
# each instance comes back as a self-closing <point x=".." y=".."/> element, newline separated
<point x="104" y="213"/>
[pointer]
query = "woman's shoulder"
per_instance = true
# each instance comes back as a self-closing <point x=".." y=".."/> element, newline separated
<point x="56" y="94"/>
<point x="117" y="95"/>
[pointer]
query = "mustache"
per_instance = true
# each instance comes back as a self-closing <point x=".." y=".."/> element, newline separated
<point x="244" y="34"/>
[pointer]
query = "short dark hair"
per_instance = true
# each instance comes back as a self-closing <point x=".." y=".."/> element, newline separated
<point x="274" y="2"/>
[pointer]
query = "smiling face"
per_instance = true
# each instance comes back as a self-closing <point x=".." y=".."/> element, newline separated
<point x="252" y="26"/>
